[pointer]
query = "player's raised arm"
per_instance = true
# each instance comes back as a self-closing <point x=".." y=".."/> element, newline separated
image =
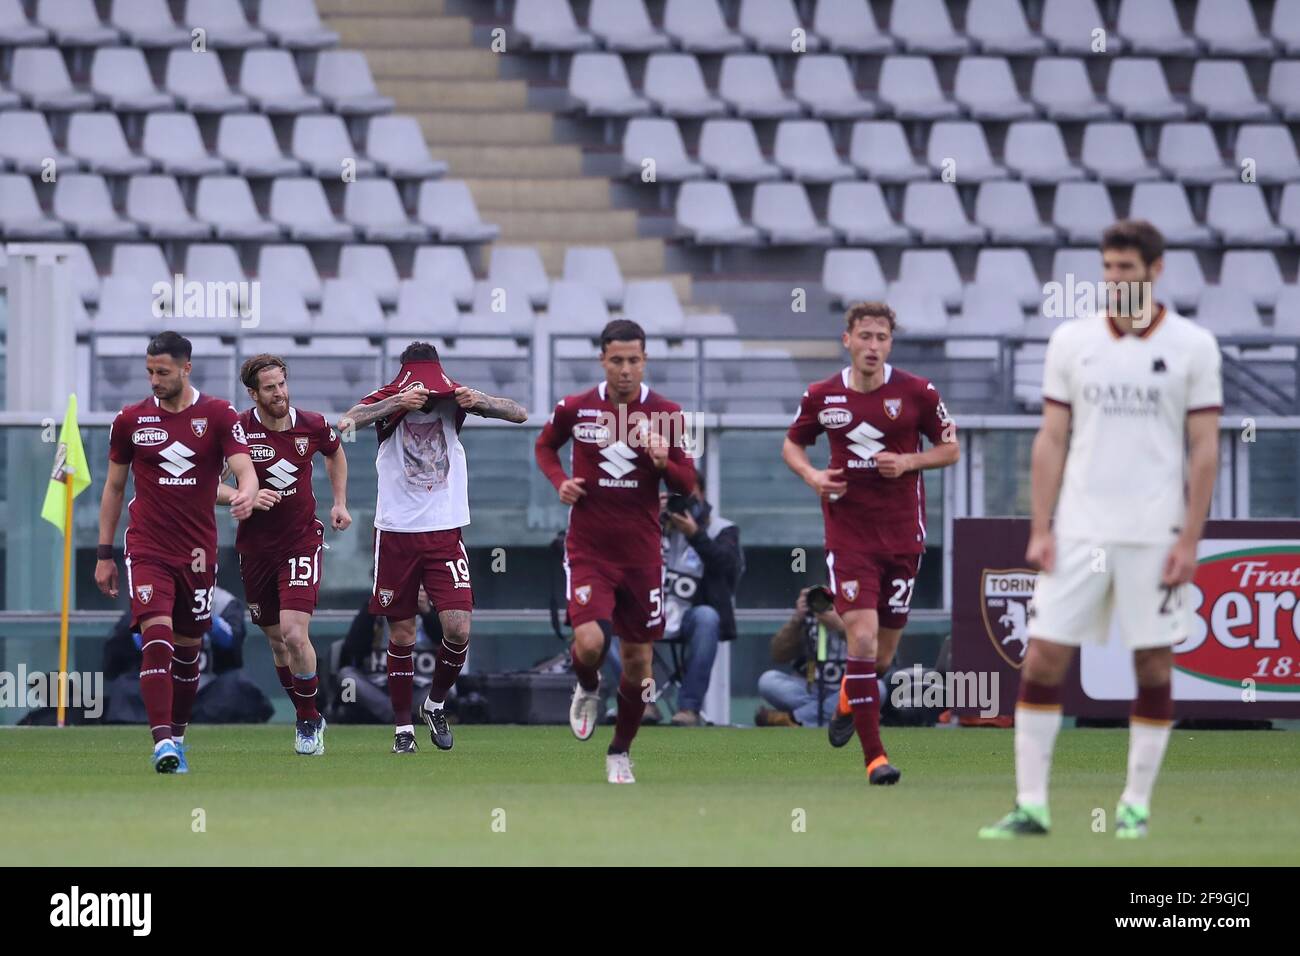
<point x="546" y="450"/>
<point x="488" y="406"/>
<point x="367" y="413"/>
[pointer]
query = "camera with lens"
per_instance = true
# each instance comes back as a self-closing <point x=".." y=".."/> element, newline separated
<point x="819" y="600"/>
<point x="679" y="504"/>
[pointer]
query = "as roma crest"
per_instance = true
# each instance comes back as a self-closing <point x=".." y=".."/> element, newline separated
<point x="583" y="594"/>
<point x="385" y="597"/>
<point x="200" y="426"/>
<point x="850" y="589"/>
<point x="144" y="592"/>
<point x="1006" y="597"/>
<point x="893" y="406"/>
<point x="301" y="445"/>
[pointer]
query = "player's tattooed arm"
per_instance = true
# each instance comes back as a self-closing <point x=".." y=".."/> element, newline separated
<point x="359" y="416"/>
<point x="489" y="406"/>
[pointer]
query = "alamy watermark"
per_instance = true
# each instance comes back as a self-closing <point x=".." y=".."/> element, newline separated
<point x="917" y="687"/>
<point x="192" y="299"/>
<point x="1083" y="299"/>
<point x="30" y="690"/>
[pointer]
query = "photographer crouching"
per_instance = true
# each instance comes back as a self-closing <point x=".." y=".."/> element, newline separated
<point x="812" y="644"/>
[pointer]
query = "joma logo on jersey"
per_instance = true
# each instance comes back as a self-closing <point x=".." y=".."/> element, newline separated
<point x="591" y="433"/>
<point x="834" y="417"/>
<point x="149" y="437"/>
<point x="864" y="444"/>
<point x="261" y="452"/>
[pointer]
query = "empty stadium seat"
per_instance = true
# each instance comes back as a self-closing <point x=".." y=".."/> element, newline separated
<point x="1151" y="27"/>
<point x="199" y="84"/>
<point x="212" y="262"/>
<point x="20" y="214"/>
<point x="1036" y="152"/>
<point x="1012" y="270"/>
<point x="1225" y="310"/>
<point x="343" y="80"/>
<point x="961" y="145"/>
<point x="660" y="140"/>
<point x="322" y="144"/>
<point x="397" y="144"/>
<point x="595" y="266"/>
<point x="520" y="267"/>
<point x="1222" y="89"/>
<point x="74" y="23"/>
<point x="1138" y="89"/>
<point x="999" y="26"/>
<point x="1228" y="28"/>
<point x="373" y="267"/>
<point x="16" y="29"/>
<point x="1069" y="24"/>
<point x="282" y="311"/>
<point x="1165" y="206"/>
<point x="295" y="24"/>
<point x="1061" y="87"/>
<point x="349" y="306"/>
<point x="27" y="144"/>
<point x="985" y="86"/>
<point x="849" y="26"/>
<point x="852" y="275"/>
<point x="770" y="26"/>
<point x="935" y="212"/>
<point x="1256" y="271"/>
<point x="248" y="143"/>
<point x="706" y="213"/>
<point x="748" y="83"/>
<point x="224" y="24"/>
<point x="1082" y="211"/>
<point x="934" y="270"/>
<point x="548" y="25"/>
<point x="147" y="23"/>
<point x="82" y="201"/>
<point x="448" y="267"/>
<point x="824" y="84"/>
<point x="1273" y="151"/>
<point x="270" y="80"/>
<point x="857" y="210"/>
<point x="227" y="203"/>
<point x="1238" y="212"/>
<point x="84" y="275"/>
<point x="674" y="83"/>
<point x="923" y="26"/>
<point x="990" y="310"/>
<point x="784" y="214"/>
<point x="879" y="148"/>
<point x="624" y="25"/>
<point x="173" y="141"/>
<point x="498" y="309"/>
<point x="120" y="77"/>
<point x="1083" y="265"/>
<point x="652" y="303"/>
<point x="1284" y="88"/>
<point x="292" y="266"/>
<point x="598" y="85"/>
<point x="804" y="149"/>
<point x="1286" y="317"/>
<point x="40" y="77"/>
<point x="729" y="149"/>
<point x="576" y="307"/>
<point x="375" y="209"/>
<point x="1285" y="28"/>
<point x="1189" y="153"/>
<point x="919" y="310"/>
<point x="698" y="26"/>
<point x="1112" y="153"/>
<point x="910" y="86"/>
<point x="155" y="202"/>
<point x="424" y="308"/>
<point x="299" y="205"/>
<point x="447" y="207"/>
<point x="141" y="260"/>
<point x="1182" y="280"/>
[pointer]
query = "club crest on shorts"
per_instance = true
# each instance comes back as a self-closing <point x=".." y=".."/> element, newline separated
<point x="1006" y="596"/>
<point x="200" y="426"/>
<point x="385" y="597"/>
<point x="144" y="592"/>
<point x="256" y="611"/>
<point x="893" y="406"/>
<point x="301" y="445"/>
<point x="850" y="589"/>
<point x="583" y="594"/>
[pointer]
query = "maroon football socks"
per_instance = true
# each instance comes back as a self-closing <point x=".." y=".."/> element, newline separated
<point x="156" y="679"/>
<point x="185" y="685"/>
<point x="450" y="659"/>
<point x="304" y="696"/>
<point x="864" y="700"/>
<point x="630" y="710"/>
<point x="401" y="680"/>
<point x="587" y="674"/>
<point x="285" y="673"/>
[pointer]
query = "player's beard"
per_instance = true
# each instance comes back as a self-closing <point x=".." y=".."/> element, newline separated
<point x="275" y="409"/>
<point x="171" y="394"/>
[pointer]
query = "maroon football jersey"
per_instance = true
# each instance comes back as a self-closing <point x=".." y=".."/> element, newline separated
<point x="877" y="514"/>
<point x="617" y="521"/>
<point x="283" y="461"/>
<point x="176" y="460"/>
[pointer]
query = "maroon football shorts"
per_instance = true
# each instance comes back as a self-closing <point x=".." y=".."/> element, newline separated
<point x="406" y="559"/>
<point x="862" y="580"/>
<point x="170" y="587"/>
<point x="288" y="582"/>
<point x="631" y="598"/>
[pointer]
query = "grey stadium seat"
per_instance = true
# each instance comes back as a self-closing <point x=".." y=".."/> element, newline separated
<point x="1012" y="270"/>
<point x="1284" y="88"/>
<point x="1286" y="315"/>
<point x="1060" y="85"/>
<point x="748" y="82"/>
<point x="447" y="207"/>
<point x="270" y="80"/>
<point x="1165" y="205"/>
<point x="26" y="143"/>
<point x="923" y="26"/>
<point x="1151" y="26"/>
<point x="1082" y="211"/>
<point x="283" y="310"/>
<point x="625" y="25"/>
<point x="349" y="306"/>
<point x="96" y="139"/>
<point x="155" y="202"/>
<point x="198" y="82"/>
<point x="1223" y="90"/>
<point x="1111" y="152"/>
<point x="660" y="140"/>
<point x="1036" y="152"/>
<point x="20" y="214"/>
<point x="1255" y="270"/>
<point x="520" y="267"/>
<point x="576" y="307"/>
<point x="1182" y="279"/>
<point x="174" y="142"/>
<point x="698" y="27"/>
<point x="322" y="144"/>
<point x="16" y="29"/>
<point x="225" y="24"/>
<point x="1238" y="211"/>
<point x="784" y="214"/>
<point x="1190" y="154"/>
<point x="448" y="267"/>
<point x="706" y="213"/>
<point x="147" y="23"/>
<point x="919" y="310"/>
<point x="999" y="26"/>
<point x="990" y="310"/>
<point x="1069" y="24"/>
<point x="499" y="309"/>
<point x="674" y="83"/>
<point x="857" y="210"/>
<point x="374" y="207"/>
<point x="804" y="149"/>
<point x="397" y="144"/>
<point x="825" y="86"/>
<point x="296" y="25"/>
<point x="84" y="275"/>
<point x="1225" y="310"/>
<point x="729" y="148"/>
<point x="935" y="212"/>
<point x="247" y="142"/>
<point x="852" y="275"/>
<point x="653" y="304"/>
<point x="597" y="267"/>
<point x="910" y="85"/>
<point x="934" y="270"/>
<point x="423" y="308"/>
<point x="40" y="77"/>
<point x="880" y="149"/>
<point x="962" y="143"/>
<point x="1286" y="26"/>
<point x="227" y="203"/>
<point x="1083" y="264"/>
<point x="598" y="84"/>
<point x="1272" y="149"/>
<point x="74" y="23"/>
<point x="770" y="24"/>
<point x="300" y="206"/>
<point x="291" y="265"/>
<point x="549" y="25"/>
<point x="985" y="86"/>
<point x="141" y="260"/>
<point x="1228" y="28"/>
<point x="120" y="77"/>
<point x="82" y="201"/>
<point x="9" y="100"/>
<point x="1007" y="210"/>
<point x="372" y="266"/>
<point x="1138" y="89"/>
<point x="213" y="262"/>
<point x="344" y="81"/>
<point x="849" y="26"/>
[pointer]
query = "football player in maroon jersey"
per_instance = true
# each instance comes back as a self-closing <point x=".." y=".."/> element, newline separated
<point x="173" y="443"/>
<point x="279" y="544"/>
<point x="873" y="504"/>
<point x="625" y="439"/>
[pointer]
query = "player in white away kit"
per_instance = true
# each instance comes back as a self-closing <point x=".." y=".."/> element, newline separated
<point x="1121" y="392"/>
<point x="423" y="503"/>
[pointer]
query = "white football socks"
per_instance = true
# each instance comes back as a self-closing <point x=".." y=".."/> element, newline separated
<point x="405" y="729"/>
<point x="1036" y="730"/>
<point x="1146" y="749"/>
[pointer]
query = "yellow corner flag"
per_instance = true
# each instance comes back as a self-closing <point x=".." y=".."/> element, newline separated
<point x="69" y="462"/>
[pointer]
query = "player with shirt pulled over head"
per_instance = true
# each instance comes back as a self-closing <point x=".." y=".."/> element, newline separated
<point x="873" y="504"/>
<point x="1126" y="458"/>
<point x="422" y="504"/>
<point x="626" y="438"/>
<point x="279" y="544"/>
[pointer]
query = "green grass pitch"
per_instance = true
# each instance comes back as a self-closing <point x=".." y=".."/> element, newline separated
<point x="87" y="796"/>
